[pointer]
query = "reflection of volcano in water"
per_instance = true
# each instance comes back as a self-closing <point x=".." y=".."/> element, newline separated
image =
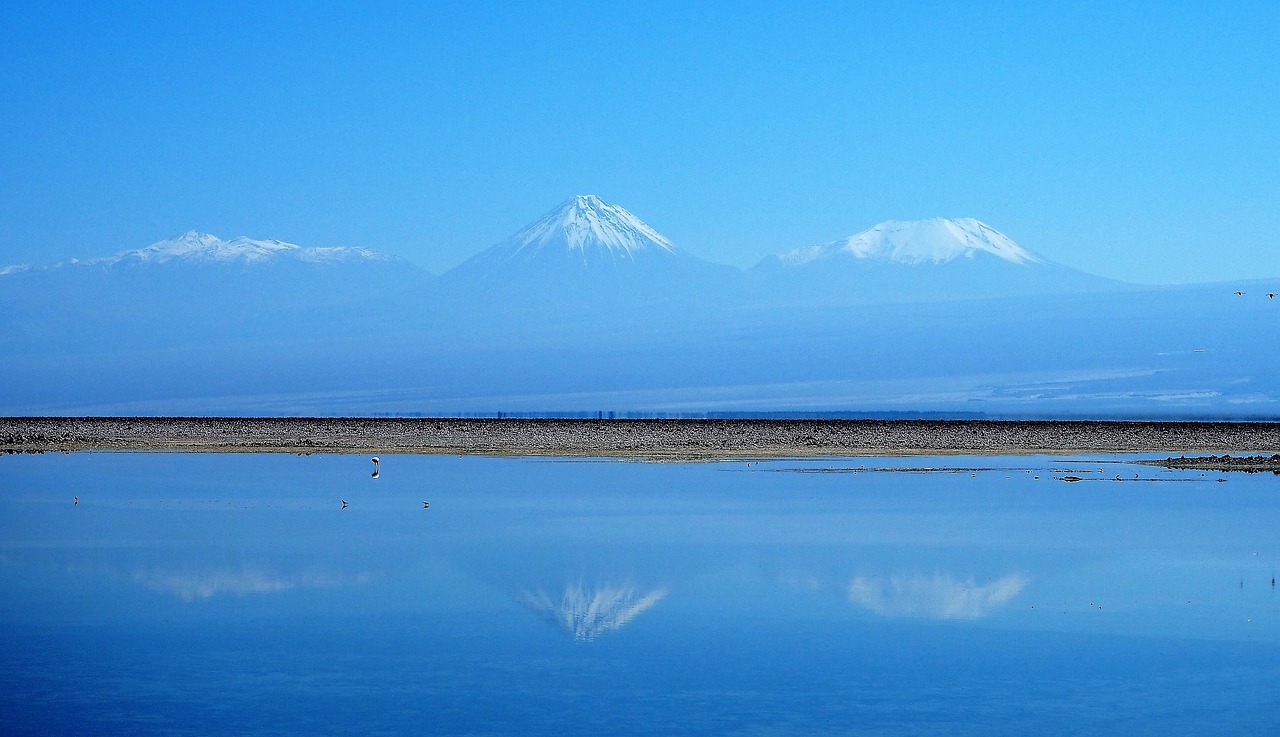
<point x="934" y="596"/>
<point x="195" y="585"/>
<point x="586" y="614"/>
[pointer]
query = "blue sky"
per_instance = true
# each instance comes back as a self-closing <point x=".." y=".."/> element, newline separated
<point x="1136" y="140"/>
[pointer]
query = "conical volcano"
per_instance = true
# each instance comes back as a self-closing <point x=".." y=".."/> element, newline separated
<point x="586" y="249"/>
<point x="586" y="229"/>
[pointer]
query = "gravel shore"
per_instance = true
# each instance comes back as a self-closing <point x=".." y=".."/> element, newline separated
<point x="638" y="438"/>
<point x="1247" y="464"/>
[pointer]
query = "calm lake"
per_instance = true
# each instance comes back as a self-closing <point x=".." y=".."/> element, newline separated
<point x="233" y="594"/>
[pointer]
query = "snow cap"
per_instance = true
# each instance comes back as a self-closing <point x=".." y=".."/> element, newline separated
<point x="936" y="240"/>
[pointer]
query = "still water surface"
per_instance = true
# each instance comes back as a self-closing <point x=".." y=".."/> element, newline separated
<point x="232" y="594"/>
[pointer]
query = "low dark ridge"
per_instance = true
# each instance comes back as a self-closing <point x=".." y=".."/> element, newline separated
<point x="1248" y="464"/>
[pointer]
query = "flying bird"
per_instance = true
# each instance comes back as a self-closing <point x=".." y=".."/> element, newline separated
<point x="1271" y="295"/>
<point x="1239" y="294"/>
<point x="425" y="505"/>
<point x="75" y="500"/>
<point x="344" y="503"/>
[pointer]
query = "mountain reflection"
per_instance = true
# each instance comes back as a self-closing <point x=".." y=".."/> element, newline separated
<point x="937" y="596"/>
<point x="588" y="613"/>
<point x="194" y="585"/>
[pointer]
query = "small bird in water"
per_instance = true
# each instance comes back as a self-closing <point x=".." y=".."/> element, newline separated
<point x="376" y="467"/>
<point x="344" y="503"/>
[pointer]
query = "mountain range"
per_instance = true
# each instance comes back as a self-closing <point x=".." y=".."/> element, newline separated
<point x="588" y="307"/>
<point x="586" y="243"/>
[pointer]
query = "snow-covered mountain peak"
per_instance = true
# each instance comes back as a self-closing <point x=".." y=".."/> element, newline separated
<point x="936" y="240"/>
<point x="582" y="237"/>
<point x="586" y="222"/>
<point x="195" y="247"/>
<point x="192" y="242"/>
<point x="194" y="239"/>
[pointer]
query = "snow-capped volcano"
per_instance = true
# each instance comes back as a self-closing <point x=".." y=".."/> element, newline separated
<point x="585" y="253"/>
<point x="581" y="233"/>
<point x="586" y="223"/>
<point x="197" y="287"/>
<point x="918" y="260"/>
<point x="936" y="240"/>
<point x="195" y="247"/>
<point x="583" y="227"/>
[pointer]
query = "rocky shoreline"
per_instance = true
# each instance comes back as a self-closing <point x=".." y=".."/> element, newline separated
<point x="1225" y="462"/>
<point x="628" y="438"/>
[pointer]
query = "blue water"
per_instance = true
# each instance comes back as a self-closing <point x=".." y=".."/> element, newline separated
<point x="231" y="594"/>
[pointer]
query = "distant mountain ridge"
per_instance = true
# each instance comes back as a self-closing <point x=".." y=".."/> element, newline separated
<point x="585" y="233"/>
<point x="587" y="254"/>
<point x="196" y="247"/>
<point x="196" y="288"/>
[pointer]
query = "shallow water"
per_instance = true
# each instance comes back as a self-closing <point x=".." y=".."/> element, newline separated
<point x="197" y="594"/>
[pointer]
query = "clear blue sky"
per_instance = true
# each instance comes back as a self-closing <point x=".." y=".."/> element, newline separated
<point x="1139" y="141"/>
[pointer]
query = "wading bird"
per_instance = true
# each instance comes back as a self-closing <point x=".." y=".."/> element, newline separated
<point x="376" y="468"/>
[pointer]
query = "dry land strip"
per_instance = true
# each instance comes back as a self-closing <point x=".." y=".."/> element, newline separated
<point x="1247" y="464"/>
<point x="653" y="439"/>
